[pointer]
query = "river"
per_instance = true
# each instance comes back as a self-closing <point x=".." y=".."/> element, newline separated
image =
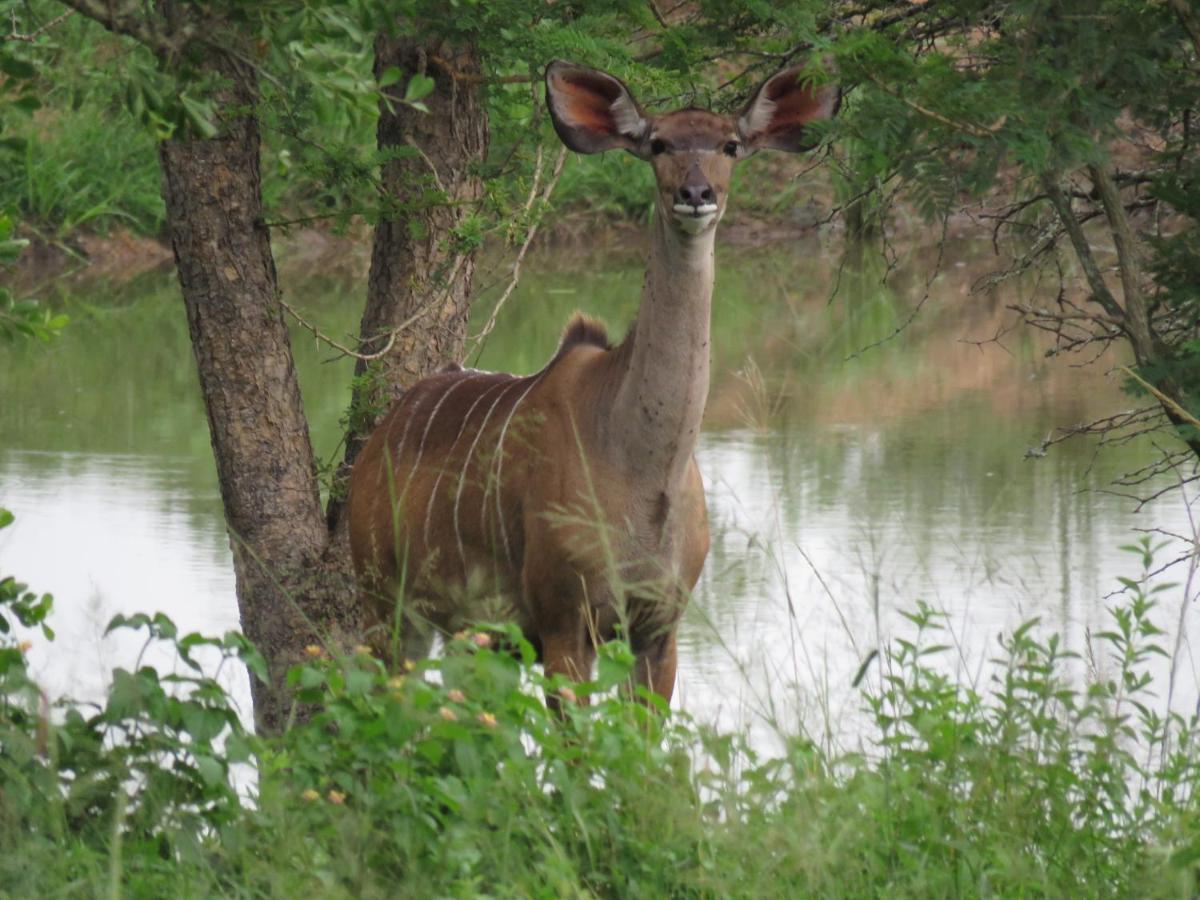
<point x="857" y="459"/>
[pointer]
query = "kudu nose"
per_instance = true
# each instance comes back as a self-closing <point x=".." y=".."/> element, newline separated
<point x="696" y="193"/>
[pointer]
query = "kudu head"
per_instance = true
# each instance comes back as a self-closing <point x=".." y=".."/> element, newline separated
<point x="693" y="151"/>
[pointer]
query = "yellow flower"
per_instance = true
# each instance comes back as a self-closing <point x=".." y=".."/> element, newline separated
<point x="448" y="714"/>
<point x="481" y="640"/>
<point x="310" y="795"/>
<point x="396" y="682"/>
<point x="337" y="797"/>
<point x="314" y="651"/>
<point x="460" y="635"/>
<point x="409" y="665"/>
<point x="567" y="694"/>
<point x="362" y="650"/>
<point x="487" y="719"/>
<point x="25" y="646"/>
<point x="456" y="695"/>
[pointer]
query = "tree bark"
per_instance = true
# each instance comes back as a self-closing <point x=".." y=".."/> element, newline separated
<point x="259" y="433"/>
<point x="421" y="278"/>
<point x="421" y="274"/>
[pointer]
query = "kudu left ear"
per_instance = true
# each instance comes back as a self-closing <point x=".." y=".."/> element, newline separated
<point x="592" y="111"/>
<point x="777" y="115"/>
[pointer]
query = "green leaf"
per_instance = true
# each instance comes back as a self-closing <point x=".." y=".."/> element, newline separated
<point x="210" y="770"/>
<point x="200" y="115"/>
<point x="419" y="86"/>
<point x="16" y="68"/>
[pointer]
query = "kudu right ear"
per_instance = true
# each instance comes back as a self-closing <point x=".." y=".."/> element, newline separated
<point x="777" y="115"/>
<point x="592" y="111"/>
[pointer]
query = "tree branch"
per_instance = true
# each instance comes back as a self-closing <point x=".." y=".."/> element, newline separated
<point x="1187" y="18"/>
<point x="1128" y="263"/>
<point x="467" y="78"/>
<point x="1083" y="250"/>
<point x="978" y="131"/>
<point x="32" y="36"/>
<point x="122" y="18"/>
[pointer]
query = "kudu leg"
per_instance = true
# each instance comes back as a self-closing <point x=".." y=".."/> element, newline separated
<point x="571" y="653"/>
<point x="655" y="664"/>
<point x="400" y="635"/>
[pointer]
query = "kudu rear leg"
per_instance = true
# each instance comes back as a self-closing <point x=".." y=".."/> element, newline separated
<point x="655" y="661"/>
<point x="404" y="636"/>
<point x="569" y="651"/>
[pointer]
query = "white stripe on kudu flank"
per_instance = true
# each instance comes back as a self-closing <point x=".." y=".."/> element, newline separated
<point x="449" y="453"/>
<point x="398" y="453"/>
<point x="457" y="383"/>
<point x="500" y="464"/>
<point x="462" y="478"/>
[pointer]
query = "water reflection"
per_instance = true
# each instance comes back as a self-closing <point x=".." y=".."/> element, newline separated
<point x="842" y="488"/>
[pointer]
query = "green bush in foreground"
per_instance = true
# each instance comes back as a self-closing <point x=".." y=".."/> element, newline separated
<point x="453" y="779"/>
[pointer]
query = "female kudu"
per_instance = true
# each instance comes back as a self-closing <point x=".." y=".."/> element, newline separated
<point x="569" y="500"/>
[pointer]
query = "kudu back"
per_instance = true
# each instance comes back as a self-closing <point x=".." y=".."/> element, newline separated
<point x="569" y="500"/>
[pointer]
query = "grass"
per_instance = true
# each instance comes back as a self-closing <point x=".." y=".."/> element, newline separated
<point x="84" y="169"/>
<point x="464" y="784"/>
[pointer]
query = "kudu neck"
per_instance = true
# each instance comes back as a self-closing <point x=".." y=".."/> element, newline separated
<point x="664" y="379"/>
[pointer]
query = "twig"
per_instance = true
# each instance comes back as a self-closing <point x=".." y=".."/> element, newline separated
<point x="657" y="13"/>
<point x="32" y="36"/>
<point x="979" y="131"/>
<point x="1083" y="250"/>
<point x="142" y="30"/>
<point x="468" y="78"/>
<point x="324" y="338"/>
<point x="392" y="334"/>
<point x="529" y="236"/>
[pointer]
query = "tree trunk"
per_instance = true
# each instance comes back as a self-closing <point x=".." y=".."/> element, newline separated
<point x="259" y="433"/>
<point x="421" y="273"/>
<point x="420" y="284"/>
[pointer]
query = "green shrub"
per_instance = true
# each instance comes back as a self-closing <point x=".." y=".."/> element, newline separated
<point x="89" y="166"/>
<point x="455" y="779"/>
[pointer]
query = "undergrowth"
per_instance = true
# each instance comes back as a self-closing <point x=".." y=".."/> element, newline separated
<point x="453" y="779"/>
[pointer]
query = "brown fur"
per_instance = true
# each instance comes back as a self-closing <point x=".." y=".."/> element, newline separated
<point x="568" y="500"/>
<point x="582" y="329"/>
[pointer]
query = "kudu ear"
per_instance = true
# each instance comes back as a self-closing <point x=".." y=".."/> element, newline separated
<point x="592" y="111"/>
<point x="777" y="115"/>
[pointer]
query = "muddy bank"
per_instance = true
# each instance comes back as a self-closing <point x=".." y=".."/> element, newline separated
<point x="307" y="251"/>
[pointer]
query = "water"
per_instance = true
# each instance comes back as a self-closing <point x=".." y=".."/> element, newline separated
<point x="842" y="488"/>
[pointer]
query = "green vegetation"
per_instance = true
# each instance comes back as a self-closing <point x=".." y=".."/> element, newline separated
<point x="84" y="169"/>
<point x="1059" y="776"/>
<point x="455" y="780"/>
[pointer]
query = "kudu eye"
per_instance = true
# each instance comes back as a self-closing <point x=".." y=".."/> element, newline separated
<point x="731" y="148"/>
<point x="657" y="147"/>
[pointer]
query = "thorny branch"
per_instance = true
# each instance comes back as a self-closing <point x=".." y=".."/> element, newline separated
<point x="529" y="236"/>
<point x="30" y="37"/>
<point x="437" y="298"/>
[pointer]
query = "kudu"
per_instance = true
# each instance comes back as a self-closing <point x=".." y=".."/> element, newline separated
<point x="570" y="498"/>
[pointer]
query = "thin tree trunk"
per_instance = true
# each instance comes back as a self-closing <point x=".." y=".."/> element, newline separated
<point x="256" y="420"/>
<point x="418" y="267"/>
<point x="421" y="274"/>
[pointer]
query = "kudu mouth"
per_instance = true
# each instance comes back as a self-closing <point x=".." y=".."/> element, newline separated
<point x="694" y="219"/>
